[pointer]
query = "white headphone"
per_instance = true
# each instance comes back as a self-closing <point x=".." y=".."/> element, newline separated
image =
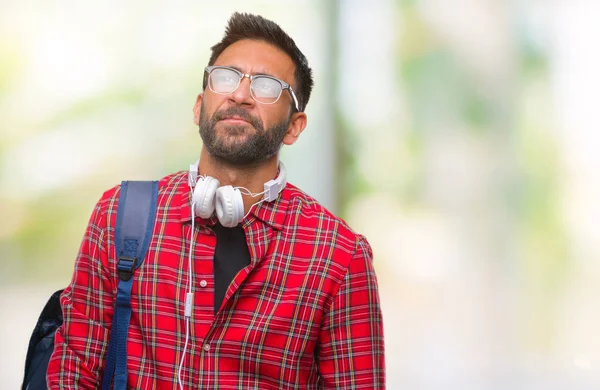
<point x="209" y="196"/>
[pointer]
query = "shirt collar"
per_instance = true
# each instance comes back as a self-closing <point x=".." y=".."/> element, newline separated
<point x="273" y="213"/>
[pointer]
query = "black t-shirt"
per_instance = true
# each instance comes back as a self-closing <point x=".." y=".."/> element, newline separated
<point x="231" y="255"/>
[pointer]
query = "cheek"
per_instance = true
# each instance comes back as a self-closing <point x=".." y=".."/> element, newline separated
<point x="277" y="118"/>
<point x="271" y="116"/>
<point x="206" y="111"/>
<point x="210" y="104"/>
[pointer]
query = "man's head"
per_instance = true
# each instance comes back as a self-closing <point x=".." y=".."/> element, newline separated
<point x="246" y="26"/>
<point x="242" y="121"/>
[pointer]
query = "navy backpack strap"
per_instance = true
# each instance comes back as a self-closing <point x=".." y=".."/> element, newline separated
<point x="133" y="232"/>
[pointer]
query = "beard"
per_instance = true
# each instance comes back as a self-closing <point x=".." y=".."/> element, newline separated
<point x="258" y="146"/>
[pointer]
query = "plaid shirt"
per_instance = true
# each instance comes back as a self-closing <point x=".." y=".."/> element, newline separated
<point x="304" y="314"/>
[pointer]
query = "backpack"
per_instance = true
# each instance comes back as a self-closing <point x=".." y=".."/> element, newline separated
<point x="135" y="222"/>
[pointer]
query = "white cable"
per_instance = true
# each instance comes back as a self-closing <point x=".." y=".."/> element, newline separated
<point x="187" y="323"/>
<point x="247" y="192"/>
<point x="189" y="298"/>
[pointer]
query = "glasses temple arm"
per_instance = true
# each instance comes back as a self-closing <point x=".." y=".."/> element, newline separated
<point x="294" y="97"/>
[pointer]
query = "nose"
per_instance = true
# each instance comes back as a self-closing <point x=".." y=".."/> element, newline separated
<point x="242" y="95"/>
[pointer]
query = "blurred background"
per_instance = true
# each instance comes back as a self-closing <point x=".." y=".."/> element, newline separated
<point x="458" y="136"/>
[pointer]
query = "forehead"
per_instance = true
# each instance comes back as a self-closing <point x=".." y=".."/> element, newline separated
<point x="253" y="57"/>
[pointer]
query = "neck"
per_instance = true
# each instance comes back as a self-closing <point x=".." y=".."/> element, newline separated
<point x="253" y="177"/>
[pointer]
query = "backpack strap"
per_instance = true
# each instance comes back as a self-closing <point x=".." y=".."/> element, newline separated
<point x="135" y="222"/>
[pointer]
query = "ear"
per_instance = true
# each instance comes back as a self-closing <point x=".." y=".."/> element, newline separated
<point x="196" y="110"/>
<point x="297" y="125"/>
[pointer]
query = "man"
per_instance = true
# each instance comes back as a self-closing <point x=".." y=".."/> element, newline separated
<point x="283" y="294"/>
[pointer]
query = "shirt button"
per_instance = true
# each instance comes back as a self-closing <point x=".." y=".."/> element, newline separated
<point x="203" y="283"/>
<point x="206" y="347"/>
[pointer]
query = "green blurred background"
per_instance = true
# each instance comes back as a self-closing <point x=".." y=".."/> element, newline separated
<point x="459" y="136"/>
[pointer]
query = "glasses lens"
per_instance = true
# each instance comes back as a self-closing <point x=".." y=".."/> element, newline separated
<point x="266" y="90"/>
<point x="223" y="80"/>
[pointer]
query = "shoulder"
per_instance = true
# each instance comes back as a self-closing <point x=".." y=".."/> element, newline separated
<point x="312" y="219"/>
<point x="167" y="187"/>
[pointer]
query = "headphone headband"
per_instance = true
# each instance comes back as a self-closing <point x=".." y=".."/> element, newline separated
<point x="193" y="175"/>
<point x="272" y="188"/>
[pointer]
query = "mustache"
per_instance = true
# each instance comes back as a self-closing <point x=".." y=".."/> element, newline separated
<point x="240" y="112"/>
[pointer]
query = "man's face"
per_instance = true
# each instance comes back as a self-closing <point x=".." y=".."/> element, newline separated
<point x="234" y="127"/>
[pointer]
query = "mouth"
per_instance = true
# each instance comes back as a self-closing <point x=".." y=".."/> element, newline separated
<point x="235" y="120"/>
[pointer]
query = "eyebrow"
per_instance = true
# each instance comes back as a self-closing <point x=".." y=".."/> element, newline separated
<point x="255" y="74"/>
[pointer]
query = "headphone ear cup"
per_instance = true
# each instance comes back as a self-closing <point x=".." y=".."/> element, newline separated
<point x="204" y="196"/>
<point x="229" y="206"/>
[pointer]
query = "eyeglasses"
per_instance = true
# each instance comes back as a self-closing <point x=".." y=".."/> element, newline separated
<point x="263" y="89"/>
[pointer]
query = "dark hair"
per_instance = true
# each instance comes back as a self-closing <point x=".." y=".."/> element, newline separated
<point x="247" y="26"/>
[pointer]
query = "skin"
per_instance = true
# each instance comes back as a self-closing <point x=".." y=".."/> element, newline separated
<point x="251" y="57"/>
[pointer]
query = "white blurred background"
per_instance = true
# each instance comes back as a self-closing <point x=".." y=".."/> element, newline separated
<point x="458" y="136"/>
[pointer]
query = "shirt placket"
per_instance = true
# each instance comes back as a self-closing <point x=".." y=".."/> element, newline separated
<point x="202" y="318"/>
<point x="257" y="241"/>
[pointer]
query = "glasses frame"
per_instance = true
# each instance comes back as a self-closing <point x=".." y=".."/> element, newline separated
<point x="284" y="85"/>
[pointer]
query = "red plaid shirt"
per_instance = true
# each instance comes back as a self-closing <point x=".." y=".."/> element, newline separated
<point x="304" y="314"/>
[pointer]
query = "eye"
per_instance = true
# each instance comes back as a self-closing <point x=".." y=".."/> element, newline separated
<point x="266" y="87"/>
<point x="225" y="77"/>
<point x="224" y="80"/>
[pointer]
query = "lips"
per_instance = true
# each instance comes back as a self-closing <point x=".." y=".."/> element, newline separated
<point x="235" y="119"/>
<point x="236" y="116"/>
